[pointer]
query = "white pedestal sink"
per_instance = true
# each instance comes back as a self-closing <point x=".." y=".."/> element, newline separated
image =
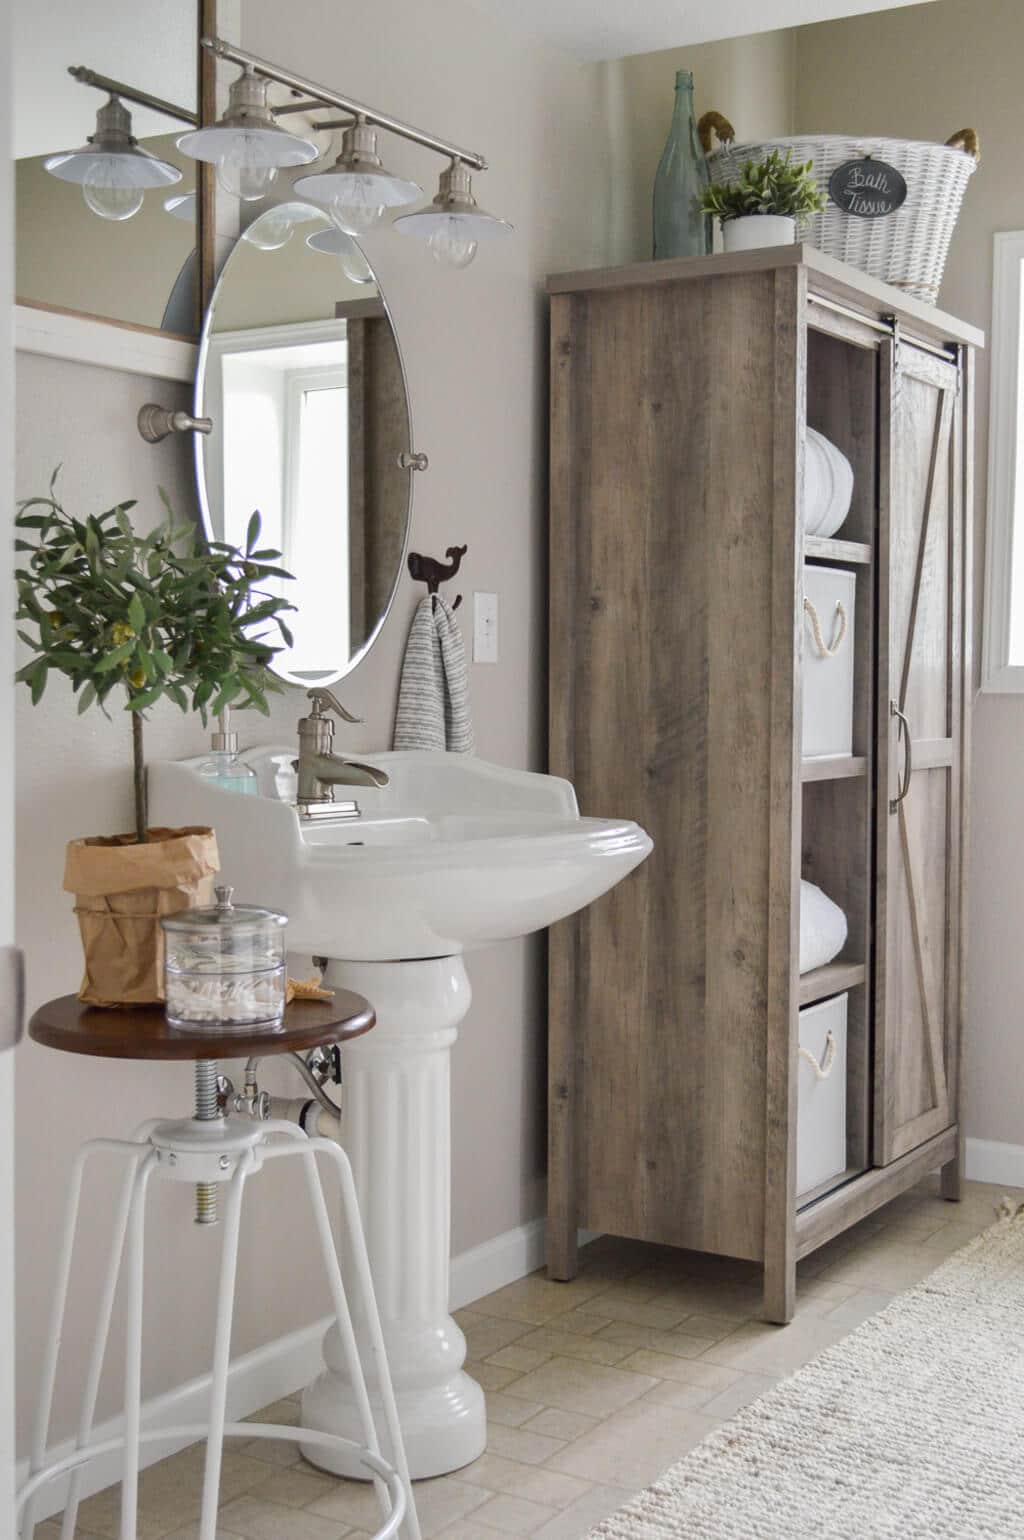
<point x="453" y="854"/>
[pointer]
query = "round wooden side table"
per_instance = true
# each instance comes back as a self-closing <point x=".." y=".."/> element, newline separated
<point x="214" y="1148"/>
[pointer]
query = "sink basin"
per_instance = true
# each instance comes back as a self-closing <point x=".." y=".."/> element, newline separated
<point x="454" y="853"/>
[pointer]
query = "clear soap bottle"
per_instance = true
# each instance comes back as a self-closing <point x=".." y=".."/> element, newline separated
<point x="224" y="767"/>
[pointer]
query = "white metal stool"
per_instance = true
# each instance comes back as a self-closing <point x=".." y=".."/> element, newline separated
<point x="211" y="1151"/>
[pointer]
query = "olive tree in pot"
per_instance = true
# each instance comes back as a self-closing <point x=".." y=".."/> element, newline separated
<point x="140" y="619"/>
<point x="763" y="205"/>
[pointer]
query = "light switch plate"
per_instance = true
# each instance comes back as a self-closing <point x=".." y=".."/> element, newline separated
<point x="485" y="628"/>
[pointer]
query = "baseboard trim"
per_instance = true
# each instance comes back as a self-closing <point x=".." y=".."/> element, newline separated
<point x="283" y="1366"/>
<point x="988" y="1160"/>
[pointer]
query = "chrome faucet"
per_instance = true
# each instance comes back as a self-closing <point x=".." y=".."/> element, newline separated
<point x="320" y="769"/>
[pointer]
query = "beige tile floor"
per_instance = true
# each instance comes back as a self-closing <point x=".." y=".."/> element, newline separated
<point x="593" y="1387"/>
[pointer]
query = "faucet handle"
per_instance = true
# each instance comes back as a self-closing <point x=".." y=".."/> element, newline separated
<point x="321" y="697"/>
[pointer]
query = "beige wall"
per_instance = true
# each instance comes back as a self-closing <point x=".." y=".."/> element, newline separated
<point x="749" y="79"/>
<point x="921" y="73"/>
<point x="474" y="345"/>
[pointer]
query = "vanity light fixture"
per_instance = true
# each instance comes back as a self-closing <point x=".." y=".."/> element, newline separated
<point x="357" y="190"/>
<point x="111" y="168"/>
<point x="454" y="224"/>
<point x="338" y="243"/>
<point x="247" y="145"/>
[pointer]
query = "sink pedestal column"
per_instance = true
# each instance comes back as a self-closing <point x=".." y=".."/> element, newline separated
<point x="396" y="1130"/>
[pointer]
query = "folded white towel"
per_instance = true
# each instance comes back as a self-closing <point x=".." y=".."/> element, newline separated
<point x="433" y="699"/>
<point x="822" y="928"/>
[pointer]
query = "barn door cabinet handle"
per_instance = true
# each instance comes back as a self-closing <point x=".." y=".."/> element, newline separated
<point x="902" y="786"/>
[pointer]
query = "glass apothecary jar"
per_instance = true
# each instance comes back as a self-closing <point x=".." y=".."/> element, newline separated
<point x="224" y="967"/>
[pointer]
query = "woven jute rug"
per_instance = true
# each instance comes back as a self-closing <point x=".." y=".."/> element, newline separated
<point x="912" y="1427"/>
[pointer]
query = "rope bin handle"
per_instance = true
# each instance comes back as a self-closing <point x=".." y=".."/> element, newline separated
<point x="828" y="1058"/>
<point x="966" y="139"/>
<point x="723" y="130"/>
<point x="826" y="649"/>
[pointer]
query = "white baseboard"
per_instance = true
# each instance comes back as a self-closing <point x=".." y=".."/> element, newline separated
<point x="283" y="1366"/>
<point x="990" y="1161"/>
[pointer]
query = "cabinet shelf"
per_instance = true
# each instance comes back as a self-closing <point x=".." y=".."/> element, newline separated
<point x="832" y="979"/>
<point x="837" y="767"/>
<point x="851" y="551"/>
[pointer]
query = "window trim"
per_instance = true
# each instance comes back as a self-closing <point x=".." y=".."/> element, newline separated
<point x="1005" y="454"/>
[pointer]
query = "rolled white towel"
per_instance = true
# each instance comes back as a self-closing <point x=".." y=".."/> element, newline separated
<point x="823" y="928"/>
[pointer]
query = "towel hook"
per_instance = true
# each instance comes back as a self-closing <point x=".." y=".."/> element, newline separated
<point x="427" y="569"/>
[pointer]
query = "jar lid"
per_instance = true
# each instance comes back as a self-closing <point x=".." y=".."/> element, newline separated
<point x="224" y="915"/>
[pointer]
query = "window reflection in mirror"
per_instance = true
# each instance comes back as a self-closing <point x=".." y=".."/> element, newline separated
<point x="301" y="376"/>
<point x="67" y="256"/>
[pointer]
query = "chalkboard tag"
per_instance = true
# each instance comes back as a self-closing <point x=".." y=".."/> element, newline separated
<point x="867" y="187"/>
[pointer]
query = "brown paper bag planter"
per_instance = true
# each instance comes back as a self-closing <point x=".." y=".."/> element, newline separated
<point x="121" y="889"/>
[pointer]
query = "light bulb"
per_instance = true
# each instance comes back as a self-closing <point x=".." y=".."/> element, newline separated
<point x="452" y="244"/>
<point x="242" y="170"/>
<point x="271" y="231"/>
<point x="355" y="267"/>
<point x="106" y="196"/>
<point x="358" y="209"/>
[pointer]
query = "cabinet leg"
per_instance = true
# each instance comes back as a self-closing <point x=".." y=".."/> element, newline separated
<point x="779" y="1290"/>
<point x="951" y="1176"/>
<point x="562" y="1249"/>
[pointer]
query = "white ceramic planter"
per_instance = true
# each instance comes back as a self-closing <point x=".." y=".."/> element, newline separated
<point x="755" y="230"/>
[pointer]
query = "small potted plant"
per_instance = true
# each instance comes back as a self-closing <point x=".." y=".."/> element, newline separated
<point x="762" y="206"/>
<point x="141" y="618"/>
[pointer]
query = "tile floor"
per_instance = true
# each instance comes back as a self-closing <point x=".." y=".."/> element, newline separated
<point x="593" y="1387"/>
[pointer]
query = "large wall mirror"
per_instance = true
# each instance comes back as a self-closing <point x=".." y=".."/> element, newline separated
<point x="301" y="376"/>
<point x="79" y="248"/>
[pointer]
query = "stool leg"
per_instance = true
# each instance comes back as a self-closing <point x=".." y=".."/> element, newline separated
<point x="222" y="1351"/>
<point x="60" y="1295"/>
<point x="101" y="1337"/>
<point x="378" y="1351"/>
<point x="133" y="1351"/>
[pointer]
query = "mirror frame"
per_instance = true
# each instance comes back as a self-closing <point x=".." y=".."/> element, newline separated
<point x="199" y="456"/>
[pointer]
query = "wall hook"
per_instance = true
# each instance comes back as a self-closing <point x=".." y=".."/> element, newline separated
<point x="427" y="569"/>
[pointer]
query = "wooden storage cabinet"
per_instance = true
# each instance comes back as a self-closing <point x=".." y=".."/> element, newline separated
<point x="680" y="394"/>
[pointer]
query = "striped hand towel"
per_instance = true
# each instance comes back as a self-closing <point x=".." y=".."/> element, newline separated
<point x="433" y="700"/>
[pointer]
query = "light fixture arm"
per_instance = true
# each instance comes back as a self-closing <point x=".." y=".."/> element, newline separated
<point x="327" y="98"/>
<point x="88" y="77"/>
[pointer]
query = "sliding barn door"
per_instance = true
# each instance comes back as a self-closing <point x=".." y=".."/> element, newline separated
<point x="920" y="732"/>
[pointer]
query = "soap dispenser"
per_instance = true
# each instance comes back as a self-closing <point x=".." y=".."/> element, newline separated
<point x="224" y="767"/>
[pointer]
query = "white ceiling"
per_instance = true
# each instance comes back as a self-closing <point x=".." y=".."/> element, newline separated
<point x="611" y="29"/>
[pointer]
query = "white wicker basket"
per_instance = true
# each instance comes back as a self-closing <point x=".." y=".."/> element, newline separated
<point x="906" y="248"/>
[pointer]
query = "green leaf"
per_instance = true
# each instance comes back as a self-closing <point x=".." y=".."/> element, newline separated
<point x="37" y="681"/>
<point x="252" y="533"/>
<point x="86" y="698"/>
<point x="116" y="658"/>
<point x="136" y="614"/>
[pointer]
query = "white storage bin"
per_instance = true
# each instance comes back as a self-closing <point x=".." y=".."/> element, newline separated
<point x="821" y="1094"/>
<point x="829" y="597"/>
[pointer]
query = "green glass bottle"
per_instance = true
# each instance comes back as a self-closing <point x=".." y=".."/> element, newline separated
<point x="680" y="229"/>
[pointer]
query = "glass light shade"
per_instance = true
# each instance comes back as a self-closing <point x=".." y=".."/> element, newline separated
<point x="250" y="146"/>
<point x="114" y="180"/>
<point x="337" y="243"/>
<point x="452" y="243"/>
<point x="181" y="206"/>
<point x="450" y="235"/>
<point x="358" y="190"/>
<point x="112" y="170"/>
<point x="274" y="227"/>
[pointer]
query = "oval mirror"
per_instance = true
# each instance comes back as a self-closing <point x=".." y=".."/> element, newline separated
<point x="300" y="372"/>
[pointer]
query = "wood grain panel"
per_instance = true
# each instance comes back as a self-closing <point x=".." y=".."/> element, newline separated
<point x="922" y="618"/>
